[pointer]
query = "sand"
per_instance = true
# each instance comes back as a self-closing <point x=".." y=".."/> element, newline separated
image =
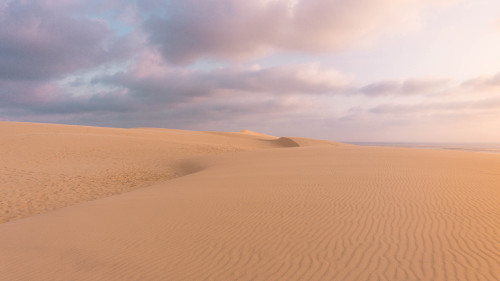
<point x="86" y="203"/>
<point x="45" y="167"/>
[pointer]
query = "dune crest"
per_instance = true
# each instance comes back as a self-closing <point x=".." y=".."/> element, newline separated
<point x="248" y="132"/>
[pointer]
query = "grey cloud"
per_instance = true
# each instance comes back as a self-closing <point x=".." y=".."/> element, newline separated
<point x="381" y="88"/>
<point x="234" y="29"/>
<point x="311" y="79"/>
<point x="226" y="29"/>
<point x="482" y="83"/>
<point x="46" y="43"/>
<point x="220" y="92"/>
<point x="479" y="105"/>
<point x="47" y="98"/>
<point x="408" y="87"/>
<point x="110" y="102"/>
<point x="44" y="39"/>
<point x="181" y="85"/>
<point x="213" y="114"/>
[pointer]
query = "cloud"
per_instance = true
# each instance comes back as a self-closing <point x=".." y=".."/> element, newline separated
<point x="484" y="83"/>
<point x="408" y="87"/>
<point x="48" y="39"/>
<point x="436" y="96"/>
<point x="234" y="29"/>
<point x="166" y="85"/>
<point x="49" y="98"/>
<point x="120" y="63"/>
<point x="149" y="86"/>
<point x="439" y="107"/>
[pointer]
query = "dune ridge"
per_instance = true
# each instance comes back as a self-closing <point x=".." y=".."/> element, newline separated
<point x="253" y="133"/>
<point x="271" y="212"/>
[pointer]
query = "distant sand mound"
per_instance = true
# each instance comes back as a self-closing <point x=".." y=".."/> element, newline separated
<point x="301" y="142"/>
<point x="286" y="142"/>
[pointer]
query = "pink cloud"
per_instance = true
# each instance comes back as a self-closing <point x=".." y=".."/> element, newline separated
<point x="484" y="83"/>
<point x="425" y="86"/>
<point x="49" y="39"/>
<point x="234" y="29"/>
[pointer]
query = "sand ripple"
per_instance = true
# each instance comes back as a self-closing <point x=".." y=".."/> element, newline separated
<point x="314" y="212"/>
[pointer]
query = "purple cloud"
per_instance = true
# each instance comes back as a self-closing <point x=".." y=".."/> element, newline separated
<point x="150" y="88"/>
<point x="483" y="83"/>
<point x="187" y="30"/>
<point x="46" y="39"/>
<point x="173" y="85"/>
<point x="119" y="63"/>
<point x="408" y="87"/>
<point x="439" y="107"/>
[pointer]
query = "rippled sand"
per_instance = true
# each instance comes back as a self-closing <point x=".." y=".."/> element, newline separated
<point x="240" y="206"/>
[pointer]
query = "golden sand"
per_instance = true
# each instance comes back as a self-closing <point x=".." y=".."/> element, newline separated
<point x="240" y="206"/>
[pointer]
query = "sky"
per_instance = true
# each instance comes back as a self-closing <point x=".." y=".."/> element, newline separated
<point x="344" y="70"/>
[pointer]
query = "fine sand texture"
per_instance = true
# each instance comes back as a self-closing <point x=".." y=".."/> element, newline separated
<point x="242" y="206"/>
<point x="45" y="167"/>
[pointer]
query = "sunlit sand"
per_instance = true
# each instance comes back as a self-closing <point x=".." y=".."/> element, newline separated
<point x="89" y="203"/>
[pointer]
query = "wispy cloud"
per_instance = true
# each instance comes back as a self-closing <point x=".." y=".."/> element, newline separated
<point x="408" y="87"/>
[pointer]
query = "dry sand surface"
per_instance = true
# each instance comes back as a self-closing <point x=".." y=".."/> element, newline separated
<point x="44" y="167"/>
<point x="240" y="206"/>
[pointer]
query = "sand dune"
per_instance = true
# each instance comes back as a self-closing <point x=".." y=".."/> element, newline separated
<point x="241" y="209"/>
<point x="248" y="132"/>
<point x="45" y="167"/>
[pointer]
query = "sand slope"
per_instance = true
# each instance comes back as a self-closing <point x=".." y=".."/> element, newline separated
<point x="47" y="166"/>
<point x="317" y="212"/>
